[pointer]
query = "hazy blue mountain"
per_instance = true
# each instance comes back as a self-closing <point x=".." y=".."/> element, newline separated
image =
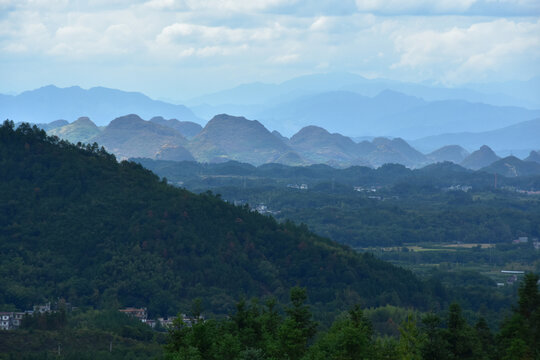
<point x="533" y="156"/>
<point x="480" y="158"/>
<point x="268" y="94"/>
<point x="187" y="128"/>
<point x="252" y="93"/>
<point x="449" y="116"/>
<point x="340" y="102"/>
<point x="527" y="91"/>
<point x="174" y="153"/>
<point x="511" y="166"/>
<point x="452" y="153"/>
<point x="207" y="112"/>
<point x="228" y="137"/>
<point x="319" y="146"/>
<point x="504" y="95"/>
<point x="338" y="111"/>
<point x="82" y="130"/>
<point x="279" y="136"/>
<point x="100" y="104"/>
<point x="396" y="151"/>
<point x="524" y="136"/>
<point x="389" y="113"/>
<point x="130" y="136"/>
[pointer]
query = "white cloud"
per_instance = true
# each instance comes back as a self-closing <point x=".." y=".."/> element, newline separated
<point x="320" y="24"/>
<point x="217" y="5"/>
<point x="459" y="54"/>
<point x="399" y="6"/>
<point x="176" y="5"/>
<point x="473" y="7"/>
<point x="268" y="39"/>
<point x="75" y="33"/>
<point x="186" y="33"/>
<point x="285" y="59"/>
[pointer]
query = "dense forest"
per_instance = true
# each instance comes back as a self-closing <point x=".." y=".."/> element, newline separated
<point x="234" y="173"/>
<point x="393" y="205"/>
<point x="76" y="224"/>
<point x="258" y="329"/>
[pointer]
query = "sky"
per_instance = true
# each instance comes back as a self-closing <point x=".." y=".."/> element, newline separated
<point x="179" y="49"/>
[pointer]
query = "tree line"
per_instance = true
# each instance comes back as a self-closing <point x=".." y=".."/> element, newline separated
<point x="258" y="331"/>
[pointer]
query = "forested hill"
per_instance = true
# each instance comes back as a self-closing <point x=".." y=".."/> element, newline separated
<point x="75" y="223"/>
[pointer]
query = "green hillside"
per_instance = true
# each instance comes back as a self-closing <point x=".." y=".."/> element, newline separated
<point x="511" y="166"/>
<point x="128" y="135"/>
<point x="75" y="223"/>
<point x="81" y="130"/>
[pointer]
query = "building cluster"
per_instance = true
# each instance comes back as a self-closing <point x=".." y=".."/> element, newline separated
<point x="142" y="315"/>
<point x="464" y="188"/>
<point x="371" y="189"/>
<point x="520" y="191"/>
<point x="12" y="320"/>
<point x="528" y="192"/>
<point x="263" y="209"/>
<point x="297" y="186"/>
<point x="525" y="240"/>
<point x="513" y="276"/>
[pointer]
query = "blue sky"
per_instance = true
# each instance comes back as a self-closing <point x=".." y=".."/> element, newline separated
<point x="177" y="49"/>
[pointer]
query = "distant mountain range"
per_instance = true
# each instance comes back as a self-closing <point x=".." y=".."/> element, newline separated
<point x="428" y="117"/>
<point x="388" y="113"/>
<point x="99" y="104"/>
<point x="128" y="135"/>
<point x="315" y="112"/>
<point x="517" y="93"/>
<point x="523" y="136"/>
<point x="353" y="105"/>
<point x="227" y="138"/>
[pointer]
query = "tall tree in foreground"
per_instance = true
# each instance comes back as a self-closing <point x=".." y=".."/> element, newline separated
<point x="298" y="328"/>
<point x="349" y="338"/>
<point x="519" y="338"/>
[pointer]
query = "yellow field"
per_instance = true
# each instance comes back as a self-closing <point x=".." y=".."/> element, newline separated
<point x="469" y="246"/>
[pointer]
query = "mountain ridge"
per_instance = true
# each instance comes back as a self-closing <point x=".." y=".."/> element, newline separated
<point x="480" y="158"/>
<point x="98" y="103"/>
<point x="514" y="137"/>
<point x="227" y="137"/>
<point x="128" y="135"/>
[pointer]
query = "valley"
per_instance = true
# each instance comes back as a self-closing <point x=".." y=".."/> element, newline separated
<point x="269" y="180"/>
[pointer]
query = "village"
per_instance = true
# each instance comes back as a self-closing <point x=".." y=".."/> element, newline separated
<point x="12" y="320"/>
<point x="142" y="315"/>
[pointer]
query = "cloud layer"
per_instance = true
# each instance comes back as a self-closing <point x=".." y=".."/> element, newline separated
<point x="173" y="48"/>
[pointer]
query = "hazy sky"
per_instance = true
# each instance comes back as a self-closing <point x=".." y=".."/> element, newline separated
<point x="177" y="49"/>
